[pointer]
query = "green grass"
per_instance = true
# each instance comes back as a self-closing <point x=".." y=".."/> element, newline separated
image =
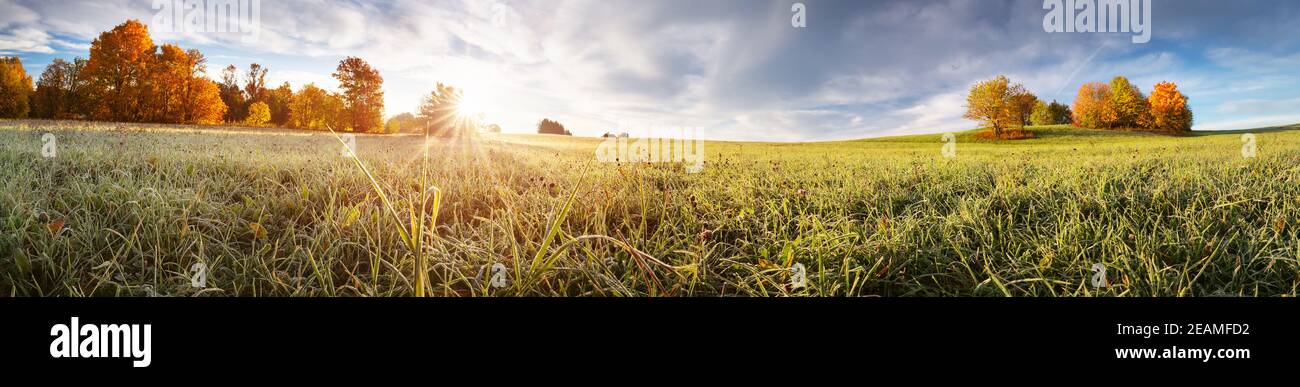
<point x="1167" y="216"/>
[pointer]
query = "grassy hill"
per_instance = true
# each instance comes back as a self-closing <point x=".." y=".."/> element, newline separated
<point x="130" y="210"/>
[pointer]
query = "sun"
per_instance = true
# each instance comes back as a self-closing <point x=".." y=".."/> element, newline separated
<point x="472" y="105"/>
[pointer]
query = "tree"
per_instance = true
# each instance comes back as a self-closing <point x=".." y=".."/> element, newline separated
<point x="492" y="128"/>
<point x="1054" y="113"/>
<point x="404" y="122"/>
<point x="363" y="95"/>
<point x="1091" y="108"/>
<point x="1128" y="105"/>
<point x="439" y="111"/>
<point x="998" y="104"/>
<point x="255" y="88"/>
<point x="1059" y="112"/>
<point x="259" y="114"/>
<point x="52" y="90"/>
<point x="15" y="89"/>
<point x="1169" y="110"/>
<point x="170" y="87"/>
<point x="205" y="106"/>
<point x="117" y="72"/>
<point x="1022" y="106"/>
<point x="279" y="100"/>
<point x="547" y="126"/>
<point x="1042" y="115"/>
<point x="314" y="108"/>
<point x="232" y="95"/>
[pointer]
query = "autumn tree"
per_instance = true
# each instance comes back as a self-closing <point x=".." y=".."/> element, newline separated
<point x="1091" y="108"/>
<point x="1128" y="105"/>
<point x="363" y="94"/>
<point x="259" y="114"/>
<point x="314" y="108"/>
<point x="439" y="111"/>
<point x="999" y="105"/>
<point x="255" y="84"/>
<point x="15" y="89"/>
<point x="1054" y="113"/>
<point x="278" y="100"/>
<point x="1022" y="106"/>
<point x="205" y="106"/>
<point x="232" y="95"/>
<point x="117" y="72"/>
<point x="1169" y="110"/>
<point x="547" y="126"/>
<point x="1042" y="115"/>
<point x="405" y="122"/>
<point x="59" y="92"/>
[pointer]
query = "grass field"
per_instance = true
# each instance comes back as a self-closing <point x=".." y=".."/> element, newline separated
<point x="126" y="210"/>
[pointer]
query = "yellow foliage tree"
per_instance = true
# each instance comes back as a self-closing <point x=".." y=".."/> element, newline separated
<point x="258" y="114"/>
<point x="15" y="89"/>
<point x="999" y="105"/>
<point x="1128" y="105"/>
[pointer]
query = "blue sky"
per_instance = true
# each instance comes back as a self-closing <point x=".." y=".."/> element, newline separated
<point x="735" y="69"/>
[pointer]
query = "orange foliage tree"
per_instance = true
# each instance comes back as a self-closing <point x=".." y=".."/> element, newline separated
<point x="1091" y="108"/>
<point x="118" y="70"/>
<point x="363" y="95"/>
<point x="1169" y="111"/>
<point x="128" y="79"/>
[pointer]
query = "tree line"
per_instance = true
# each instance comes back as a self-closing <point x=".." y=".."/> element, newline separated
<point x="128" y="78"/>
<point x="1005" y="108"/>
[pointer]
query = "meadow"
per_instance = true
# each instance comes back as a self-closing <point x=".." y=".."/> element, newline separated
<point x="129" y="210"/>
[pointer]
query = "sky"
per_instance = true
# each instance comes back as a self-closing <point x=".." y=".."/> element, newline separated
<point x="736" y="70"/>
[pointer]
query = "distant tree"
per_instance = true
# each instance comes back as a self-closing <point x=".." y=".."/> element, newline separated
<point x="169" y="86"/>
<point x="205" y="107"/>
<point x="15" y="89"/>
<point x="439" y="111"/>
<point x="1042" y="115"/>
<point x="279" y="100"/>
<point x="255" y="85"/>
<point x="1169" y="110"/>
<point x="363" y="94"/>
<point x="1059" y="113"/>
<point x="999" y="105"/>
<point x="1129" y="106"/>
<point x="314" y="108"/>
<point x="1091" y="108"/>
<point x="117" y="72"/>
<point x="493" y="128"/>
<point x="1023" y="107"/>
<point x="405" y="122"/>
<point x="259" y="114"/>
<point x="53" y="90"/>
<point x="547" y="126"/>
<point x="232" y="95"/>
